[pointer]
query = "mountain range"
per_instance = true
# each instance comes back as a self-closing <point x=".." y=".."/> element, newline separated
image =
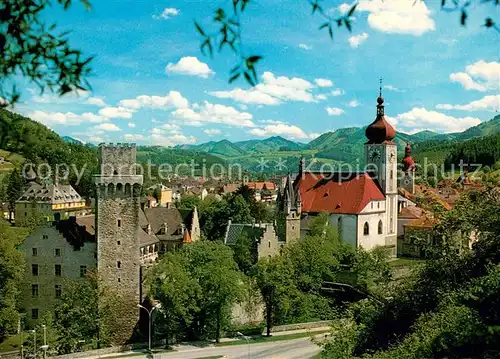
<point x="344" y="144"/>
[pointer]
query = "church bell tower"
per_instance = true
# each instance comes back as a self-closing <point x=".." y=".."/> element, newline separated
<point x="380" y="159"/>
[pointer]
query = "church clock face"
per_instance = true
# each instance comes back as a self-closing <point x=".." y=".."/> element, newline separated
<point x="374" y="154"/>
<point x="392" y="156"/>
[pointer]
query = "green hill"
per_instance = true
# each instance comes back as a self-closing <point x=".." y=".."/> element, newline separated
<point x="271" y="144"/>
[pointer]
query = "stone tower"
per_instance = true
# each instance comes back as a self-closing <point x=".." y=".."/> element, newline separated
<point x="289" y="208"/>
<point x="117" y="225"/>
<point x="381" y="161"/>
<point x="408" y="179"/>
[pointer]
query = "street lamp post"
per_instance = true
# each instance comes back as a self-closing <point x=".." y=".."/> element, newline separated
<point x="34" y="341"/>
<point x="150" y="313"/>
<point x="248" y="341"/>
<point x="45" y="346"/>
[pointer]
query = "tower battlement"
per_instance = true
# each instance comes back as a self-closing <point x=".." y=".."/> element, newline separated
<point x="117" y="159"/>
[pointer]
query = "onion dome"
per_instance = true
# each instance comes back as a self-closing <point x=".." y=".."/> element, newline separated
<point x="380" y="130"/>
<point x="408" y="162"/>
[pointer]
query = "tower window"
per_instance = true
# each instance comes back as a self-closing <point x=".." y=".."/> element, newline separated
<point x="392" y="174"/>
<point x="34" y="270"/>
<point x="34" y="252"/>
<point x="118" y="242"/>
<point x="119" y="280"/>
<point x="380" y="227"/>
<point x="366" y="229"/>
<point x="45" y="236"/>
<point x="269" y="244"/>
<point x="58" y="290"/>
<point x="119" y="223"/>
<point x="58" y="252"/>
<point x="83" y="271"/>
<point x="57" y="270"/>
<point x="118" y="264"/>
<point x="34" y="313"/>
<point x="34" y="290"/>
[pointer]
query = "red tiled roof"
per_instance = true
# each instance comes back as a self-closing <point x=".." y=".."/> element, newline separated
<point x="338" y="192"/>
<point x="411" y="212"/>
<point x="259" y="185"/>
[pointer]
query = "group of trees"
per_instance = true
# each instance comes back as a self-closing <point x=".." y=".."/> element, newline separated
<point x="449" y="308"/>
<point x="199" y="285"/>
<point x="239" y="207"/>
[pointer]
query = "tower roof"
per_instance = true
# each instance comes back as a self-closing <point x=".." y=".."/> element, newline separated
<point x="380" y="130"/>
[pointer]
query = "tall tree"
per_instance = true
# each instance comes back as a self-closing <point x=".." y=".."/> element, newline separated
<point x="11" y="273"/>
<point x="15" y="187"/>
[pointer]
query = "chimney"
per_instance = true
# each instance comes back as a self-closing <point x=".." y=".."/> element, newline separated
<point x="149" y="229"/>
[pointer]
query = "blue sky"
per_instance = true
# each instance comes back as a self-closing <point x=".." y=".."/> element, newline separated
<point x="151" y="85"/>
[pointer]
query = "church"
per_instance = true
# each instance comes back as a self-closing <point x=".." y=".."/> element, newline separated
<point x="362" y="205"/>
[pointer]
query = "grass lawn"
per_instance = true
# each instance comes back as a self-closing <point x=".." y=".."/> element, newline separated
<point x="10" y="344"/>
<point x="264" y="339"/>
<point x="406" y="262"/>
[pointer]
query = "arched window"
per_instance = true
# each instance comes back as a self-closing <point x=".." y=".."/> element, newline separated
<point x="380" y="227"/>
<point x="366" y="229"/>
<point x="118" y="264"/>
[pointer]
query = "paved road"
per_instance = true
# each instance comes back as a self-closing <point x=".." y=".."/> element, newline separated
<point x="301" y="348"/>
<point x="291" y="349"/>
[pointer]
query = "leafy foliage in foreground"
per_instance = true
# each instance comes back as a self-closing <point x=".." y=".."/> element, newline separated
<point x="31" y="47"/>
<point x="449" y="309"/>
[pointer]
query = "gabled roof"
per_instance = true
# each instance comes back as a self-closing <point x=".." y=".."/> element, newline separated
<point x="50" y="193"/>
<point x="346" y="193"/>
<point x="235" y="231"/>
<point x="411" y="212"/>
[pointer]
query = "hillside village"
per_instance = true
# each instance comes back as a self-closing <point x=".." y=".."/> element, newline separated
<point x="126" y="229"/>
<point x="249" y="179"/>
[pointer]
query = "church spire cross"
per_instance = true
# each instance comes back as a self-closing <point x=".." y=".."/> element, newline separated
<point x="380" y="92"/>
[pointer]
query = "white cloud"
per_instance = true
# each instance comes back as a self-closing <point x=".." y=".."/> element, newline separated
<point x="487" y="103"/>
<point x="419" y="119"/>
<point x="71" y="97"/>
<point x="396" y="16"/>
<point x="357" y="40"/>
<point x="353" y="103"/>
<point x="212" y="131"/>
<point x="67" y="118"/>
<point x="479" y="76"/>
<point x="392" y="88"/>
<point x="96" y="101"/>
<point x="323" y="82"/>
<point x="305" y="47"/>
<point x="107" y="127"/>
<point x="337" y="92"/>
<point x="334" y="111"/>
<point x="116" y="112"/>
<point x="167" y="13"/>
<point x="213" y="113"/>
<point x="281" y="129"/>
<point x="272" y="91"/>
<point x="321" y="97"/>
<point x="174" y="99"/>
<point x="191" y="66"/>
<point x="131" y="125"/>
<point x="170" y="135"/>
<point x="247" y="96"/>
<point x="133" y="137"/>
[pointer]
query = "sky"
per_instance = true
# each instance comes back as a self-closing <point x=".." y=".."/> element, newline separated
<point x="151" y="84"/>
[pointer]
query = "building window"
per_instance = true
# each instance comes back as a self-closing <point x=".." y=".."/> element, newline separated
<point x="392" y="174"/>
<point x="118" y="242"/>
<point x="118" y="264"/>
<point x="269" y="244"/>
<point x="380" y="227"/>
<point x="58" y="290"/>
<point x="119" y="223"/>
<point x="58" y="270"/>
<point x="58" y="252"/>
<point x="34" y="290"/>
<point x="34" y="313"/>
<point x="119" y="280"/>
<point x="366" y="229"/>
<point x="34" y="252"/>
<point x="34" y="269"/>
<point x="45" y="236"/>
<point x="83" y="271"/>
<point x="378" y="204"/>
